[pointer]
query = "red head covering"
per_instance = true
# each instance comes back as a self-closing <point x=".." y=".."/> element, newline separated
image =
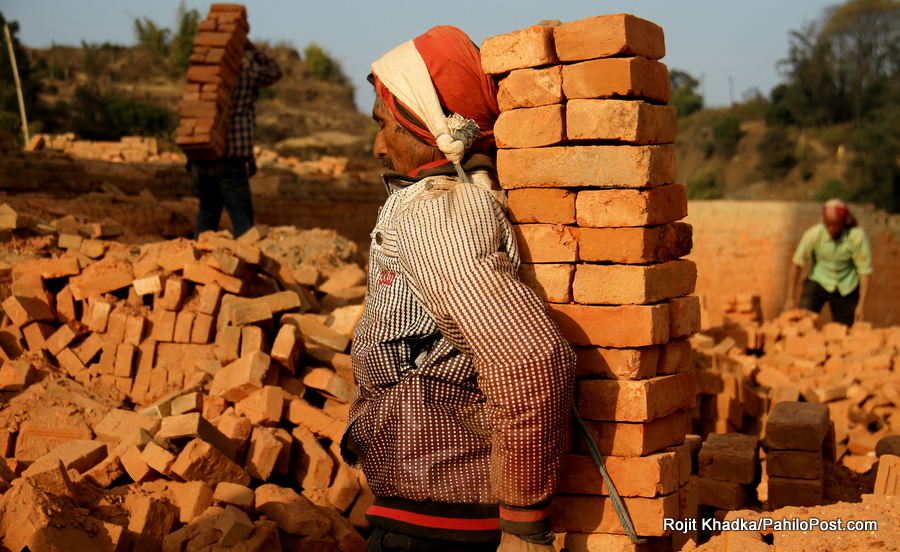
<point x="837" y="209"/>
<point x="454" y="64"/>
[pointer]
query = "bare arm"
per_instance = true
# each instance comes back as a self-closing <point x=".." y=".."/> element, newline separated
<point x="859" y="315"/>
<point x="793" y="275"/>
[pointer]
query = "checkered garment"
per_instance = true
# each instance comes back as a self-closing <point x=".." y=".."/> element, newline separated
<point x="261" y="73"/>
<point x="464" y="380"/>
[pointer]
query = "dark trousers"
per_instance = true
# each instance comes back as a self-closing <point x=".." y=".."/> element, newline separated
<point x="843" y="309"/>
<point x="386" y="541"/>
<point x="222" y="183"/>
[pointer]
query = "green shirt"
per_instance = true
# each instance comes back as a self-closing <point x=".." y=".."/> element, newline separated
<point x="836" y="264"/>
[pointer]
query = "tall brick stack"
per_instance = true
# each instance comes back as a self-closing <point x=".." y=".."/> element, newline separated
<point x="215" y="62"/>
<point x="592" y="194"/>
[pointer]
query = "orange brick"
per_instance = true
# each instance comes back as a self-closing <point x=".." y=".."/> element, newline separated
<point x="674" y="355"/>
<point x="287" y="348"/>
<point x="531" y="127"/>
<point x="242" y="377"/>
<point x="575" y="166"/>
<point x="545" y="243"/>
<point x="200" y="461"/>
<point x="629" y="364"/>
<point x="595" y="514"/>
<point x="626" y="208"/>
<point x="531" y="47"/>
<point x="115" y="330"/>
<point x="543" y="205"/>
<point x="192" y="499"/>
<point x="124" y="363"/>
<point x="329" y="383"/>
<point x="262" y="453"/>
<point x="530" y="88"/>
<point x="252" y="339"/>
<point x="23" y="310"/>
<point x="684" y="316"/>
<point x="36" y="334"/>
<point x="635" y="401"/>
<point x="604" y="36"/>
<point x="164" y="327"/>
<point x="175" y="292"/>
<point x="98" y="319"/>
<point x="82" y="288"/>
<point x="262" y="407"/>
<point x="732" y="457"/>
<point x="551" y="282"/>
<point x="656" y="244"/>
<point x="619" y="284"/>
<point x="210" y="296"/>
<point x="628" y="121"/>
<point x="795" y="492"/>
<point x="203" y="274"/>
<point x="202" y="329"/>
<point x="724" y="495"/>
<point x="619" y="326"/>
<point x="312" y="465"/>
<point x="630" y="77"/>
<point x="795" y="464"/>
<point x="797" y="426"/>
<point x="134" y="329"/>
<point x="183" y="325"/>
<point x="636" y="439"/>
<point x="647" y="476"/>
<point x="228" y="344"/>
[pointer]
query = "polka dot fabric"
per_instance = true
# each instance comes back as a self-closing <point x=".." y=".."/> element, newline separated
<point x="464" y="380"/>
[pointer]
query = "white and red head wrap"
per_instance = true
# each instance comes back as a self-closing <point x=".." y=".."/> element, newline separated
<point x="435" y="88"/>
<point x="837" y="209"/>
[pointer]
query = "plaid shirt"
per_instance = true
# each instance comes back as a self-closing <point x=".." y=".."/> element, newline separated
<point x="261" y="73"/>
<point x="465" y="381"/>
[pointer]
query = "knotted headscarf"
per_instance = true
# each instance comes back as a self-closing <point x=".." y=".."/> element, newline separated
<point x="837" y="209"/>
<point x="435" y="88"/>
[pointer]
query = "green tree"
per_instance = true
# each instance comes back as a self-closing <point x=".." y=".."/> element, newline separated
<point x="706" y="183"/>
<point x="320" y="65"/>
<point x="684" y="93"/>
<point x="727" y="133"/>
<point x="153" y="38"/>
<point x="875" y="166"/>
<point x="183" y="40"/>
<point x="776" y="153"/>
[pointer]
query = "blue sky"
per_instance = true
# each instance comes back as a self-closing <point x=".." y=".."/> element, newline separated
<point x="734" y="46"/>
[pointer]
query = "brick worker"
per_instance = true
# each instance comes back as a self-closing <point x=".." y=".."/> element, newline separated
<point x="841" y="265"/>
<point x="464" y="382"/>
<point x="225" y="182"/>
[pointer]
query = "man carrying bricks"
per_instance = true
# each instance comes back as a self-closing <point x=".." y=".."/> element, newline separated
<point x="841" y="265"/>
<point x="225" y="182"/>
<point x="464" y="381"/>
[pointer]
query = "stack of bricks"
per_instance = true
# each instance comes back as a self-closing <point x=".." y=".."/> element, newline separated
<point x="209" y="376"/>
<point x="798" y="438"/>
<point x="130" y="149"/>
<point x="215" y="63"/>
<point x="728" y="466"/>
<point x="584" y="155"/>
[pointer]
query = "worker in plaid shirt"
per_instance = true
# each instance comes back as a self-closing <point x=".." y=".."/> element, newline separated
<point x="225" y="182"/>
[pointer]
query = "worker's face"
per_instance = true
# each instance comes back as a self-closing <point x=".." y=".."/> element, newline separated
<point x="834" y="226"/>
<point x="398" y="149"/>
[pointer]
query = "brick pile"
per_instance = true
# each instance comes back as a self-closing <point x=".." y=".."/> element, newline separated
<point x="592" y="194"/>
<point x="129" y="149"/>
<point x="183" y="394"/>
<point x="215" y="63"/>
<point x="852" y="371"/>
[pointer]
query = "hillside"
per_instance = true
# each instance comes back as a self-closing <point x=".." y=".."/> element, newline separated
<point x="299" y="116"/>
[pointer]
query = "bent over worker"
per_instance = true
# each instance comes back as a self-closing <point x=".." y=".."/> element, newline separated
<point x="464" y="381"/>
<point x="841" y="265"/>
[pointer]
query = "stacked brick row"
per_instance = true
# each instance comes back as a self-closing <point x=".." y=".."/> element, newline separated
<point x="797" y="441"/>
<point x="212" y="385"/>
<point x="583" y="136"/>
<point x="130" y="149"/>
<point x="215" y="63"/>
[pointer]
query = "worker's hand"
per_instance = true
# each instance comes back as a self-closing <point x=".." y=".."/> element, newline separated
<point x="859" y="313"/>
<point x="512" y="543"/>
<point x="789" y="304"/>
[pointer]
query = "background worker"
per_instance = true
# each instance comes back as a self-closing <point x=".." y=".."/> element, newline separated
<point x="225" y="182"/>
<point x="841" y="265"/>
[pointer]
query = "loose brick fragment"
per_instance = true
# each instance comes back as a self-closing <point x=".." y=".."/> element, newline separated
<point x="200" y="461"/>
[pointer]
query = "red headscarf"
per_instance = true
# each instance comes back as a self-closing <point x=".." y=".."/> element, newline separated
<point x="454" y="64"/>
<point x="837" y="209"/>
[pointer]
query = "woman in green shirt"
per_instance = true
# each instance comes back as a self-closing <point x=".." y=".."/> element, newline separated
<point x="841" y="265"/>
